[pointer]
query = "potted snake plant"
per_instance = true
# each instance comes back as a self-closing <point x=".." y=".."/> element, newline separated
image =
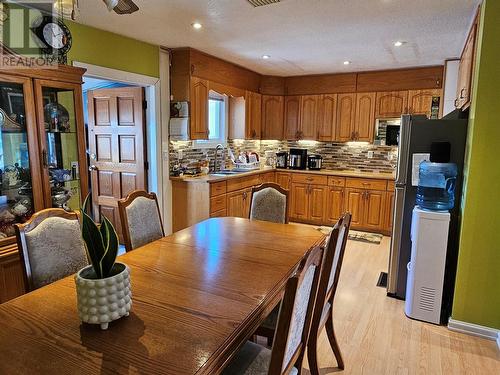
<point x="103" y="288"/>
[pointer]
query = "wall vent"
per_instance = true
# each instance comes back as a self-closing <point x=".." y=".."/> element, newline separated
<point x="261" y="3"/>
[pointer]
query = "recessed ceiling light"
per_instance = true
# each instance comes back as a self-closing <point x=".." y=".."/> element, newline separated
<point x="266" y="57"/>
<point x="347" y="62"/>
<point x="399" y="43"/>
<point x="196" y="25"/>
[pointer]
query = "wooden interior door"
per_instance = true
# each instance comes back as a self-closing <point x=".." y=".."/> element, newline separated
<point x="346" y="114"/>
<point x="365" y="116"/>
<point x="292" y="117"/>
<point x="117" y="148"/>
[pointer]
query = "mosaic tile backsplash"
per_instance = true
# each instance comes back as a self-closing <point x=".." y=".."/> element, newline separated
<point x="339" y="156"/>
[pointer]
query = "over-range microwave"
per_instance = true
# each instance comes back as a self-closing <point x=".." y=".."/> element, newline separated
<point x="387" y="132"/>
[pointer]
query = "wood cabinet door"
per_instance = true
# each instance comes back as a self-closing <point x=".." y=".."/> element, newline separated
<point x="465" y="71"/>
<point x="391" y="104"/>
<point x="420" y="101"/>
<point x="346" y="114"/>
<point x="329" y="110"/>
<point x="374" y="209"/>
<point x="300" y="201"/>
<point x="198" y="128"/>
<point x="388" y="211"/>
<point x="283" y="180"/>
<point x="292" y="117"/>
<point x="354" y="203"/>
<point x="334" y="204"/>
<point x="256" y="116"/>
<point x="310" y="116"/>
<point x="236" y="203"/>
<point x="365" y="116"/>
<point x="317" y="202"/>
<point x="11" y="274"/>
<point x="272" y="116"/>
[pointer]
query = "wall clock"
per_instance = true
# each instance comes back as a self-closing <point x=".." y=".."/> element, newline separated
<point x="55" y="37"/>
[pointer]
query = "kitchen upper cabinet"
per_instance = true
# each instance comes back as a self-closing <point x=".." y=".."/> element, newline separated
<point x="420" y="101"/>
<point x="292" y="117"/>
<point x="310" y="117"/>
<point x="253" y="116"/>
<point x="346" y="114"/>
<point x="465" y="70"/>
<point x="365" y="116"/>
<point x="300" y="201"/>
<point x="329" y="110"/>
<point x="199" y="108"/>
<point x="334" y="204"/>
<point x="391" y="104"/>
<point x="238" y="203"/>
<point x="354" y="203"/>
<point x="283" y="179"/>
<point x="272" y="116"/>
<point x="374" y="209"/>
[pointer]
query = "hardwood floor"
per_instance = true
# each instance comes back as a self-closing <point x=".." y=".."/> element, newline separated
<point x="376" y="337"/>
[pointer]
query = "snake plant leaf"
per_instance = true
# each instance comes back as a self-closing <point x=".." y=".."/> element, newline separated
<point x="93" y="242"/>
<point x="110" y="241"/>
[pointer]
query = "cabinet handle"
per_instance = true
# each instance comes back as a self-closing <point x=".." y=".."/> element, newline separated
<point x="357" y="136"/>
<point x="192" y="68"/>
<point x="456" y="103"/>
<point x="244" y="195"/>
<point x="462" y="93"/>
<point x="44" y="159"/>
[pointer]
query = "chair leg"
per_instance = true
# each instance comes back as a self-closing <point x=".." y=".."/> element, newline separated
<point x="333" y="342"/>
<point x="312" y="354"/>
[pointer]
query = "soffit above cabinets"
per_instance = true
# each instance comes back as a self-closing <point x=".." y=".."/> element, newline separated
<point x="300" y="36"/>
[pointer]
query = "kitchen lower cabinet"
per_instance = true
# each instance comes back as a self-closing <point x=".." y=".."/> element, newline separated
<point x="308" y="202"/>
<point x="388" y="212"/>
<point x="317" y="202"/>
<point x="238" y="203"/>
<point x="334" y="204"/>
<point x="283" y="179"/>
<point x="354" y="203"/>
<point x="374" y="209"/>
<point x="299" y="201"/>
<point x="11" y="274"/>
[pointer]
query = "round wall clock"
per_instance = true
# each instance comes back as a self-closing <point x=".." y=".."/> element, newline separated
<point x="54" y="34"/>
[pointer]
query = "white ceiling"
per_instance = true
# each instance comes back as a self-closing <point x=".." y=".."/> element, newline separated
<point x="302" y="36"/>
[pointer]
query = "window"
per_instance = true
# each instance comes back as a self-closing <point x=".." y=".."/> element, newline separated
<point x="217" y="120"/>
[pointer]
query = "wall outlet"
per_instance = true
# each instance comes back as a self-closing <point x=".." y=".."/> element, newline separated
<point x="390" y="156"/>
<point x="180" y="154"/>
<point x="370" y="154"/>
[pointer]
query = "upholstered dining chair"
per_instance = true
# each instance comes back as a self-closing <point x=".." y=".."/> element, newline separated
<point x="140" y="218"/>
<point x="269" y="203"/>
<point x="292" y="329"/>
<point x="323" y="309"/>
<point x="51" y="247"/>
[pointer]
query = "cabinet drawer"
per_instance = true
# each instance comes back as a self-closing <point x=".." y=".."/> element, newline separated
<point x="217" y="188"/>
<point x="366" y="183"/>
<point x="220" y="213"/>
<point x="391" y="185"/>
<point x="306" y="178"/>
<point x="336" y="181"/>
<point x="267" y="177"/>
<point x="217" y="203"/>
<point x="242" y="183"/>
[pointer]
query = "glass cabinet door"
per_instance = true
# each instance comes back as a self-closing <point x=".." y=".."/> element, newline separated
<point x="62" y="142"/>
<point x="19" y="176"/>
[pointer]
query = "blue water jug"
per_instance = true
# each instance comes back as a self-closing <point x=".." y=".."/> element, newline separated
<point x="436" y="186"/>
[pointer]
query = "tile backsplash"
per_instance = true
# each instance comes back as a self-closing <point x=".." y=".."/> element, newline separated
<point x="345" y="156"/>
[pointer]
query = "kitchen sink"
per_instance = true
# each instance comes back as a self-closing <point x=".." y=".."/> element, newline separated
<point x="229" y="172"/>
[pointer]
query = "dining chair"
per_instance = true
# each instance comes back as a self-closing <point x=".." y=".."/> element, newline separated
<point x="140" y="218"/>
<point x="323" y="308"/>
<point x="269" y="203"/>
<point x="292" y="329"/>
<point x="51" y="247"/>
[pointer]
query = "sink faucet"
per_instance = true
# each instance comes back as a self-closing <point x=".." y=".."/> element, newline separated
<point x="217" y="148"/>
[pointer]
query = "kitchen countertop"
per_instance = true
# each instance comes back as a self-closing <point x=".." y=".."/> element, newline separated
<point x="324" y="172"/>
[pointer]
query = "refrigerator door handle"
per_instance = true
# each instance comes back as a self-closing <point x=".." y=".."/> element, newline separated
<point x="397" y="228"/>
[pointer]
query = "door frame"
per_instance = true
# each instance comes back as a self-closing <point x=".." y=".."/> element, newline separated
<point x="155" y="137"/>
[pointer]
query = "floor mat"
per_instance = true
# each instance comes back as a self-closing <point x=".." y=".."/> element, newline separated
<point x="356" y="235"/>
<point x="382" y="280"/>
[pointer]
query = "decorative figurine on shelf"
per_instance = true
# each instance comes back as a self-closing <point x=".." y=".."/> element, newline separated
<point x="9" y="124"/>
<point x="56" y="118"/>
<point x="60" y="197"/>
<point x="22" y="208"/>
<point x="11" y="176"/>
<point x="60" y="175"/>
<point x="7" y="220"/>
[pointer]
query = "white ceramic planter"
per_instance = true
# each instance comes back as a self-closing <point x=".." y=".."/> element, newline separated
<point x="100" y="301"/>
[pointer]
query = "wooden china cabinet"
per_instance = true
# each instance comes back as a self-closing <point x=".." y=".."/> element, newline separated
<point x="42" y="155"/>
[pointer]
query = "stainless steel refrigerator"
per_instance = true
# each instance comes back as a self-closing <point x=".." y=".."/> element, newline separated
<point x="416" y="136"/>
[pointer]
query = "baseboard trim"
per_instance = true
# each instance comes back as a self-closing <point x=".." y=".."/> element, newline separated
<point x="475" y="330"/>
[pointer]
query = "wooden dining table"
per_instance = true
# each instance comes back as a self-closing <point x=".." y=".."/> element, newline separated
<point x="198" y="295"/>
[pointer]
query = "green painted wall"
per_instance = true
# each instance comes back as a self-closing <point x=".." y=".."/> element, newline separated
<point x="477" y="288"/>
<point x="103" y="48"/>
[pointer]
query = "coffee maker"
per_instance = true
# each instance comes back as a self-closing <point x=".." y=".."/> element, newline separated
<point x="298" y="158"/>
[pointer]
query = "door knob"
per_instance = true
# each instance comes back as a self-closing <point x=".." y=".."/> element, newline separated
<point x="92" y="168"/>
<point x="93" y="156"/>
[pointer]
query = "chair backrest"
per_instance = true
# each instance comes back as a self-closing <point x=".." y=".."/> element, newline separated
<point x="330" y="270"/>
<point x="269" y="203"/>
<point x="295" y="314"/>
<point x="140" y="218"/>
<point x="51" y="247"/>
